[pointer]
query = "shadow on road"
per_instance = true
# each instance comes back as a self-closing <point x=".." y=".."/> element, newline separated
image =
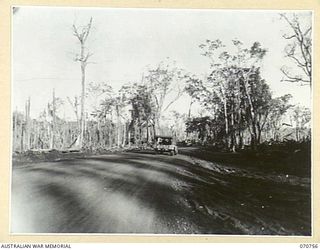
<point x="147" y="193"/>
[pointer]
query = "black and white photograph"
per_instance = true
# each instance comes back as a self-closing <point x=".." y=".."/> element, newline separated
<point x="147" y="121"/>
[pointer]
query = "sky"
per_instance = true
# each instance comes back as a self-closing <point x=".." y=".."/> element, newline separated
<point x="125" y="42"/>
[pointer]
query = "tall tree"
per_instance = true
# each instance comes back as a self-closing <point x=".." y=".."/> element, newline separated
<point x="217" y="82"/>
<point x="27" y="126"/>
<point x="195" y="89"/>
<point x="143" y="110"/>
<point x="298" y="49"/>
<point x="54" y="120"/>
<point x="165" y="85"/>
<point x="278" y="108"/>
<point x="82" y="33"/>
<point x="230" y="86"/>
<point x="258" y="105"/>
<point x="301" y="116"/>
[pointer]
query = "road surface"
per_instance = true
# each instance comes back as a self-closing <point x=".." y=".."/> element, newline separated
<point x="148" y="193"/>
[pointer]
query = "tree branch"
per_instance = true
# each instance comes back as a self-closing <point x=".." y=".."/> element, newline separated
<point x="292" y="78"/>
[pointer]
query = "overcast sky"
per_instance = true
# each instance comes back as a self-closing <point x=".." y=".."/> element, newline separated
<point x="126" y="41"/>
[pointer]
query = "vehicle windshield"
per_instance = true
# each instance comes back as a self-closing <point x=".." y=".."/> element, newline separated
<point x="164" y="141"/>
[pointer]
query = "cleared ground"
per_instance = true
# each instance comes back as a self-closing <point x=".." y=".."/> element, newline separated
<point x="148" y="193"/>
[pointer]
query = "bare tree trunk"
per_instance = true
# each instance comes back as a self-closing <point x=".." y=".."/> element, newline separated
<point x="240" y="144"/>
<point x="36" y="136"/>
<point x="189" y="111"/>
<point x="226" y="121"/>
<point x="233" y="137"/>
<point x="118" y="125"/>
<point x="65" y="135"/>
<point x="83" y="58"/>
<point x="129" y="137"/>
<point x="82" y="116"/>
<point x="15" y="117"/>
<point x="154" y="131"/>
<point x="147" y="131"/>
<point x="157" y="120"/>
<point x="189" y="114"/>
<point x="124" y="133"/>
<point x="110" y="132"/>
<point x="297" y="133"/>
<point x="22" y="139"/>
<point x="27" y="126"/>
<point x="252" y="114"/>
<point x="140" y="131"/>
<point x="53" y="126"/>
<point x="259" y="131"/>
<point x="98" y="134"/>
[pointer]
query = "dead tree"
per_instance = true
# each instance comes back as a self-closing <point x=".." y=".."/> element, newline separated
<point x="27" y="126"/>
<point x="53" y="125"/>
<point x="74" y="104"/>
<point x="298" y="50"/>
<point x="15" y="129"/>
<point x="82" y="33"/>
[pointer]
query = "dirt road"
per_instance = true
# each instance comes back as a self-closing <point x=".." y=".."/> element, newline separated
<point x="146" y="193"/>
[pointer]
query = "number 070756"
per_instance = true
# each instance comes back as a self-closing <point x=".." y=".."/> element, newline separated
<point x="309" y="246"/>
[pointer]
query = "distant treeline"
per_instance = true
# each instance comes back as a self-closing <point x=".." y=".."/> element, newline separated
<point x="233" y="116"/>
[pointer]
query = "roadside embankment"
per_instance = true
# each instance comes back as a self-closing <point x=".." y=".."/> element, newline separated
<point x="284" y="160"/>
